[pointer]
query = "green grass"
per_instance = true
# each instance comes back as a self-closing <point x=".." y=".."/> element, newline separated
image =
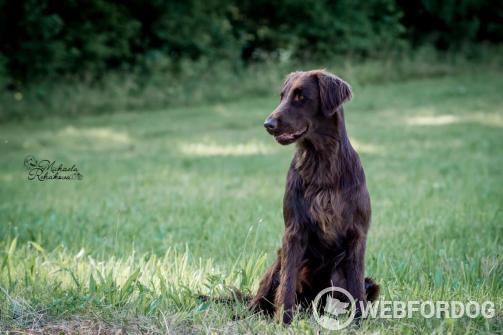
<point x="187" y="200"/>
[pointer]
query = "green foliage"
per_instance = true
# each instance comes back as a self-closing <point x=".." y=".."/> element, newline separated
<point x="451" y="24"/>
<point x="49" y="38"/>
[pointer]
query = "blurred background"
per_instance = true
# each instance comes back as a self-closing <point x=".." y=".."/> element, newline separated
<point x="75" y="57"/>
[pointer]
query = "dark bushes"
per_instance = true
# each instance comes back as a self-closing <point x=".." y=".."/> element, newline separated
<point x="50" y="38"/>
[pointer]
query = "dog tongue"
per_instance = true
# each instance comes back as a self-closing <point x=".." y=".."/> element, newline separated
<point x="290" y="136"/>
<point x="286" y="136"/>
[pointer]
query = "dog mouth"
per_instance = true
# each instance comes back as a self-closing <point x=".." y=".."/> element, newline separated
<point x="287" y="138"/>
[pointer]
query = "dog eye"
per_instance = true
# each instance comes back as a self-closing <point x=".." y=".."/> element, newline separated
<point x="281" y="96"/>
<point x="298" y="97"/>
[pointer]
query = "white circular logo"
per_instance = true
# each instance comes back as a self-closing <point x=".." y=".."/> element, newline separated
<point x="335" y="313"/>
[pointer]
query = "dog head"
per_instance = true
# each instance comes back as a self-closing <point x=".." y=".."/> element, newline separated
<point x="308" y="100"/>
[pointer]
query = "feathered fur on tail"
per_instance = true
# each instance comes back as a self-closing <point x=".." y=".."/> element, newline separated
<point x="371" y="289"/>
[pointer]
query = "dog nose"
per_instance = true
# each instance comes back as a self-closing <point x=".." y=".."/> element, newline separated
<point x="271" y="123"/>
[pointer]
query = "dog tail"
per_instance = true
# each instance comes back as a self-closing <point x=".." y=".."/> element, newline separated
<point x="371" y="289"/>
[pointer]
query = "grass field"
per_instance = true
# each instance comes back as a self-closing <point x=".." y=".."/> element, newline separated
<point x="187" y="200"/>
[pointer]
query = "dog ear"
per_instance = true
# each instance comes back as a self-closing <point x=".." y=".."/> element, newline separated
<point x="333" y="92"/>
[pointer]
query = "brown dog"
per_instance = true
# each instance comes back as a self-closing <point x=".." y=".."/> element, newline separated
<point x="326" y="206"/>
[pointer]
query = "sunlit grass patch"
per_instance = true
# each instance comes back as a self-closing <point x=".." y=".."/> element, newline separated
<point x="487" y="119"/>
<point x="433" y="120"/>
<point x="367" y="148"/>
<point x="102" y="134"/>
<point x="212" y="149"/>
<point x="121" y="287"/>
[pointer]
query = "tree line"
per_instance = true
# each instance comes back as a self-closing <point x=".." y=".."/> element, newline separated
<point x="50" y="38"/>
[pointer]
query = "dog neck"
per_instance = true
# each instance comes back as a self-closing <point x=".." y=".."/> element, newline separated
<point x="327" y="155"/>
<point x="328" y="166"/>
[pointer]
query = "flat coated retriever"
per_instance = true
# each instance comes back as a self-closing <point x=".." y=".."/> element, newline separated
<point x="326" y="206"/>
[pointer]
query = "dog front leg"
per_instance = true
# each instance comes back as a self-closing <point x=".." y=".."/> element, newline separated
<point x="292" y="253"/>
